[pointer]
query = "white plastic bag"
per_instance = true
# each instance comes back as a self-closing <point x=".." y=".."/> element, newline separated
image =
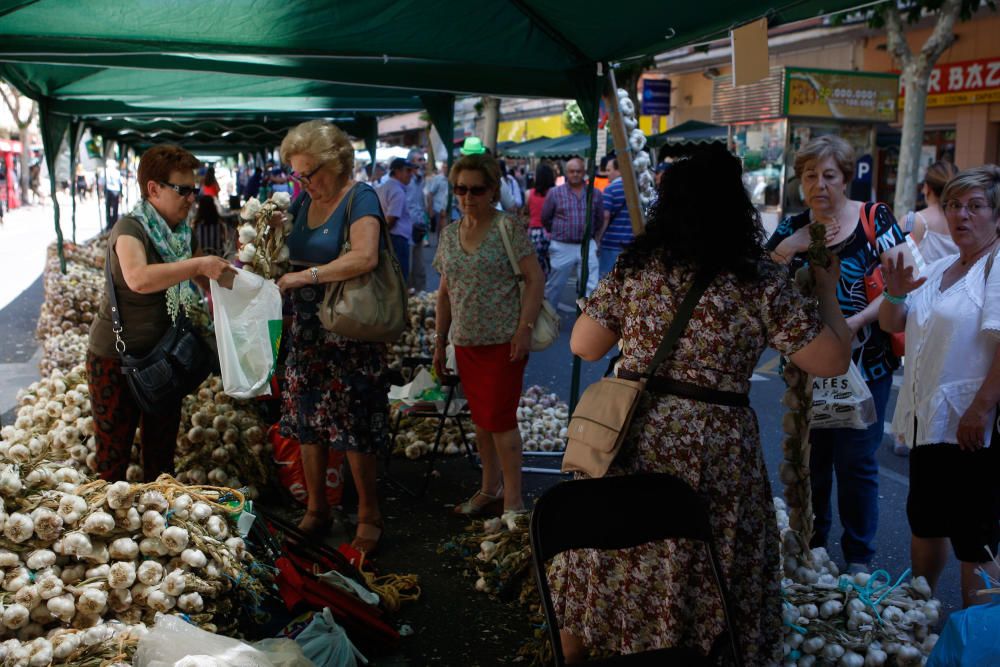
<point x="326" y="644"/>
<point x="248" y="332"/>
<point x="842" y="402"/>
<point x="173" y="642"/>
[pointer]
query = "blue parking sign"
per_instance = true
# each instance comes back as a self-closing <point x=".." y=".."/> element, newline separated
<point x="656" y="97"/>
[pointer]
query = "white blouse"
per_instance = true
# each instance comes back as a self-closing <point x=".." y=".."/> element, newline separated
<point x="951" y="339"/>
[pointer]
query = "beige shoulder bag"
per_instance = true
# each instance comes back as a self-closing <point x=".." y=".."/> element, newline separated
<point x="370" y="307"/>
<point x="601" y="419"/>
<point x="546" y="329"/>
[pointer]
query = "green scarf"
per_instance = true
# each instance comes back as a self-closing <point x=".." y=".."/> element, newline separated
<point x="173" y="245"/>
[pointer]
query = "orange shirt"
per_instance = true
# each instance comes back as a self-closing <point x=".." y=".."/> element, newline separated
<point x="601" y="182"/>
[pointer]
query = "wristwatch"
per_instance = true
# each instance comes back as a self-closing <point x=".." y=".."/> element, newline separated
<point x="314" y="272"/>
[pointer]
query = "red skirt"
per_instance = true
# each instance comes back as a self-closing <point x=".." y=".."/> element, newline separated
<point x="492" y="384"/>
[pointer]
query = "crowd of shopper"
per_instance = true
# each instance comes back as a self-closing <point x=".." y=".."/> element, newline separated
<point x="940" y="287"/>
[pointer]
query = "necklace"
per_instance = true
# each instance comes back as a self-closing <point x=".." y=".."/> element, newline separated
<point x="978" y="253"/>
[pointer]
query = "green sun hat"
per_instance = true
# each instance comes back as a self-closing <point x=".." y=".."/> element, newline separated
<point x="473" y="146"/>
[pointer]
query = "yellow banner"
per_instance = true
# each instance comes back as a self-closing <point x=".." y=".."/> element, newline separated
<point x="842" y="95"/>
<point x="532" y="128"/>
<point x="955" y="99"/>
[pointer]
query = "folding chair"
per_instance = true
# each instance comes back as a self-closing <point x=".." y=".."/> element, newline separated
<point x="425" y="411"/>
<point x="600" y="514"/>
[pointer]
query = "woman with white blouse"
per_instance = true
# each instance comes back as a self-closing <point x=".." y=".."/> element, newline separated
<point x="947" y="408"/>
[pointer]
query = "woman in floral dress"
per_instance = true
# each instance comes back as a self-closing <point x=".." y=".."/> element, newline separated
<point x="336" y="393"/>
<point x="661" y="594"/>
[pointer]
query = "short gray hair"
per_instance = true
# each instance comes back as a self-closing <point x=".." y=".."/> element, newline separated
<point x="985" y="178"/>
<point x="322" y="141"/>
<point x="820" y="148"/>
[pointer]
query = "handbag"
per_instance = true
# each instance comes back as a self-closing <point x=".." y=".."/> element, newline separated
<point x="176" y="365"/>
<point x="600" y="423"/>
<point x="370" y="307"/>
<point x="874" y="282"/>
<point x="546" y="329"/>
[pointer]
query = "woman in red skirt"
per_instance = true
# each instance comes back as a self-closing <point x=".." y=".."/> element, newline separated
<point x="480" y="309"/>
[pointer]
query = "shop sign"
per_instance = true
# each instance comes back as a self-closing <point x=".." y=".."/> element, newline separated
<point x="966" y="82"/>
<point x="10" y="146"/>
<point x="817" y="93"/>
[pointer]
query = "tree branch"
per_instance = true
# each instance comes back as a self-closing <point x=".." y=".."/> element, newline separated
<point x="943" y="35"/>
<point x="12" y="101"/>
<point x="896" y="42"/>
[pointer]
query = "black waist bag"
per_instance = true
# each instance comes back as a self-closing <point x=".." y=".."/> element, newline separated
<point x="174" y="368"/>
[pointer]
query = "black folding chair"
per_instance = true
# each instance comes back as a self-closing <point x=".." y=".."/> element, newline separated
<point x="601" y="514"/>
<point x="450" y="384"/>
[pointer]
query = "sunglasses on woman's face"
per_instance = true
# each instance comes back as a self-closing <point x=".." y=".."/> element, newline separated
<point x="182" y="190"/>
<point x="475" y="190"/>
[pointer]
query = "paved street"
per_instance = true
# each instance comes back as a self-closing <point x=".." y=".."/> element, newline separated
<point x="22" y="248"/>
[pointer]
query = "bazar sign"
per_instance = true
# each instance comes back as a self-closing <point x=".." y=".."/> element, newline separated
<point x="819" y="93"/>
<point x="966" y="82"/>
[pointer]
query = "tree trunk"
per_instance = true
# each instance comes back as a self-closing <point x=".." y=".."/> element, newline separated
<point x="914" y="109"/>
<point x="491" y="122"/>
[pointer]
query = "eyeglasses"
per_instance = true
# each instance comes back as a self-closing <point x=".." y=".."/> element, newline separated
<point x="475" y="190"/>
<point x="305" y="179"/>
<point x="182" y="190"/>
<point x="973" y="207"/>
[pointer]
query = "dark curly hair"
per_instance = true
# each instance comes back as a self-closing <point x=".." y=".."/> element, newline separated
<point x="703" y="218"/>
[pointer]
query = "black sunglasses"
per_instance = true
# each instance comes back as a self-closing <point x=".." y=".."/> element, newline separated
<point x="476" y="190"/>
<point x="304" y="179"/>
<point x="182" y="190"/>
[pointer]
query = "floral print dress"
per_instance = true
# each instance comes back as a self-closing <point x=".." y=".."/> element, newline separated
<point x="662" y="594"/>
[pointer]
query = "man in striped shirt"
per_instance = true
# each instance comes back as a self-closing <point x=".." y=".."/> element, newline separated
<point x="617" y="223"/>
<point x="564" y="215"/>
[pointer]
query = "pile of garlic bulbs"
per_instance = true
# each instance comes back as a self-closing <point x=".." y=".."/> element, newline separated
<point x="63" y="351"/>
<point x="228" y="446"/>
<point x="418" y="339"/>
<point x="78" y="553"/>
<point x="53" y="418"/>
<point x="71" y="299"/>
<point x="641" y="160"/>
<point x="828" y="621"/>
<point x="221" y="441"/>
<point x="543" y="421"/>
<point x="262" y="245"/>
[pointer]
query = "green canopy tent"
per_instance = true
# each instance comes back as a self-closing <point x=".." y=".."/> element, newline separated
<point x="687" y="137"/>
<point x="515" y="48"/>
<point x="525" y="149"/>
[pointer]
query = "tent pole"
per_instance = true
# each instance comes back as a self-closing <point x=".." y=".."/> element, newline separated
<point x="574" y="390"/>
<point x="53" y="129"/>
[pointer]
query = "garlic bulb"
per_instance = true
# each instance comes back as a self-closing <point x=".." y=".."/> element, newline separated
<point x="92" y="602"/>
<point x="173" y="584"/>
<point x="200" y="512"/>
<point x="71" y="508"/>
<point x="15" y="616"/>
<point x="124" y="548"/>
<point x="19" y="527"/>
<point x="48" y="524"/>
<point x="119" y="495"/>
<point x="49" y="586"/>
<point x="121" y="574"/>
<point x="160" y="601"/>
<point x="216" y="527"/>
<point x="99" y="523"/>
<point x="194" y="558"/>
<point x="190" y="603"/>
<point x="153" y="523"/>
<point x="39" y="559"/>
<point x="175" y="539"/>
<point x="150" y="572"/>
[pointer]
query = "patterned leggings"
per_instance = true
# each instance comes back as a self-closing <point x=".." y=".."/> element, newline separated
<point x="116" y="416"/>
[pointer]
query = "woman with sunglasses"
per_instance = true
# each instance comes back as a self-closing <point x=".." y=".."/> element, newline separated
<point x="947" y="407"/>
<point x="152" y="263"/>
<point x="480" y="310"/>
<point x="335" y="393"/>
